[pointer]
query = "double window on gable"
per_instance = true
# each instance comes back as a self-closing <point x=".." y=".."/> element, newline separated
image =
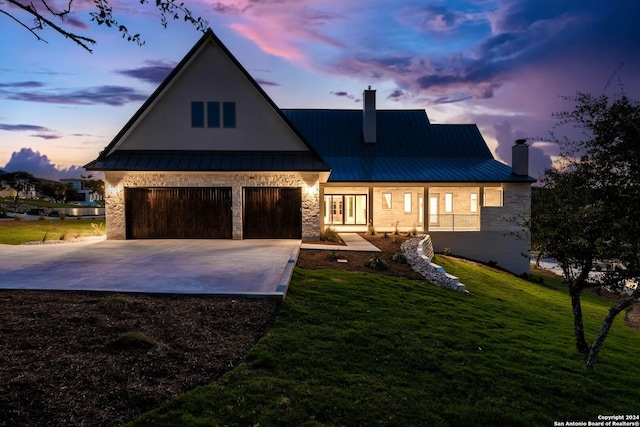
<point x="210" y="114"/>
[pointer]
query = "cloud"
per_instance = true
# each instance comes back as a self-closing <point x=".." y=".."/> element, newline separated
<point x="283" y="28"/>
<point x="347" y="95"/>
<point x="154" y="72"/>
<point x="41" y="131"/>
<point x="105" y="95"/>
<point x="396" y="95"/>
<point x="506" y="136"/>
<point x="262" y="82"/>
<point x="433" y="18"/>
<point x="39" y="165"/>
<point x="22" y="84"/>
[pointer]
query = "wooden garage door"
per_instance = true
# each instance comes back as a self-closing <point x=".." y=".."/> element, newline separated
<point x="272" y="213"/>
<point x="178" y="213"/>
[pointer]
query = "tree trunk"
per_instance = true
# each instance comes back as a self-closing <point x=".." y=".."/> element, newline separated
<point x="578" y="325"/>
<point x="606" y="325"/>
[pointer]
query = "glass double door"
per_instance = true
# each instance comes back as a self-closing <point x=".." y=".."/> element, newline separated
<point x="345" y="209"/>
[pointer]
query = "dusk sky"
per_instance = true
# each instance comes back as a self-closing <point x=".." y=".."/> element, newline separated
<point x="502" y="64"/>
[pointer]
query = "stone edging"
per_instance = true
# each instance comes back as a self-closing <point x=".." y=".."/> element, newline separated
<point x="414" y="249"/>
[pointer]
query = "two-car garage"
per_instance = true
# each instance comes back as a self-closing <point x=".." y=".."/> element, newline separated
<point x="207" y="213"/>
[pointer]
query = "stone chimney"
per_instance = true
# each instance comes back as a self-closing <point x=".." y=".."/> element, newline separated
<point x="369" y="116"/>
<point x="520" y="158"/>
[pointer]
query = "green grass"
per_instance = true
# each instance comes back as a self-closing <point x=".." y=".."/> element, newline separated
<point x="38" y="203"/>
<point x="35" y="231"/>
<point x="355" y="349"/>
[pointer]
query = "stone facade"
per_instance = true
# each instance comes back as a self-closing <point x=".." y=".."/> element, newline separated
<point x="116" y="182"/>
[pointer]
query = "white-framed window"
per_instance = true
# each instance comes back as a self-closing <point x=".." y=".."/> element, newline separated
<point x="407" y="202"/>
<point x="386" y="200"/>
<point x="474" y="202"/>
<point x="492" y="197"/>
<point x="448" y="202"/>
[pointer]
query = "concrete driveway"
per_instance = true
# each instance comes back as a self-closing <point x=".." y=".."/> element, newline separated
<point x="214" y="267"/>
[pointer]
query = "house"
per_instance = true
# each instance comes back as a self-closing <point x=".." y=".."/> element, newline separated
<point x="86" y="195"/>
<point x="210" y="155"/>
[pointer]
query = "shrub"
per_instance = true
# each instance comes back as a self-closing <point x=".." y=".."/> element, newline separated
<point x="62" y="216"/>
<point x="399" y="257"/>
<point x="332" y="256"/>
<point x="447" y="251"/>
<point x="330" y="235"/>
<point x="378" y="263"/>
<point x="371" y="230"/>
<point x="385" y="235"/>
<point x="98" y="229"/>
<point x="396" y="232"/>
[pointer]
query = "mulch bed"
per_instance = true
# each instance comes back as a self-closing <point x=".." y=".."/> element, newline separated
<point x="63" y="360"/>
<point x="357" y="261"/>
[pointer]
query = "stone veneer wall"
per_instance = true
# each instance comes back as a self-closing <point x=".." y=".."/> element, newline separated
<point x="116" y="182"/>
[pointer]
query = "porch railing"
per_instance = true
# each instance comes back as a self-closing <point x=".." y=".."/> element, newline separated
<point x="454" y="222"/>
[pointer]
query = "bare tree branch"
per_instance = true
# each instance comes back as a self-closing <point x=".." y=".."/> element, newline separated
<point x="103" y="15"/>
<point x="42" y="22"/>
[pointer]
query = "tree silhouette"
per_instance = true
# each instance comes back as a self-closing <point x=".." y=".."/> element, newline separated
<point x="47" y="14"/>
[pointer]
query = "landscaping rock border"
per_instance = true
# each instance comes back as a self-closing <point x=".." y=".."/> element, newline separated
<point x="415" y="250"/>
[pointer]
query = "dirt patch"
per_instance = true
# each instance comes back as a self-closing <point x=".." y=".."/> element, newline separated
<point x="69" y="358"/>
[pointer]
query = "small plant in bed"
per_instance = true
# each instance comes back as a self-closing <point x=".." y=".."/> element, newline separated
<point x="399" y="257"/>
<point x="378" y="263"/>
<point x="330" y="235"/>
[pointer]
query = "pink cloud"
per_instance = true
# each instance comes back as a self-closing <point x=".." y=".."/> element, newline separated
<point x="283" y="28"/>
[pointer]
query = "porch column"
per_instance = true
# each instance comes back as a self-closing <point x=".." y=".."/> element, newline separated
<point x="425" y="208"/>
<point x="370" y="203"/>
<point x="321" y="210"/>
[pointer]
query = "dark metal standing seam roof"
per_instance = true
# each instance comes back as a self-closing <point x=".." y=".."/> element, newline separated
<point x="408" y="148"/>
<point x="202" y="161"/>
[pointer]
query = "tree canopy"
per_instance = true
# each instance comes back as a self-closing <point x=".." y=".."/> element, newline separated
<point x="19" y="182"/>
<point x="589" y="201"/>
<point x="64" y="20"/>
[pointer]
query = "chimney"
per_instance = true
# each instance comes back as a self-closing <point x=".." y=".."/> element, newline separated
<point x="369" y="116"/>
<point x="520" y="158"/>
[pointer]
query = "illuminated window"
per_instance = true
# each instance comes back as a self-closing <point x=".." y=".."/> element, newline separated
<point x="448" y="202"/>
<point x="386" y="200"/>
<point x="474" y="202"/>
<point x="407" y="202"/>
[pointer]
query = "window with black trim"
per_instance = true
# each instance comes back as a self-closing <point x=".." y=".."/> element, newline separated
<point x="229" y="114"/>
<point x="197" y="114"/>
<point x="215" y="116"/>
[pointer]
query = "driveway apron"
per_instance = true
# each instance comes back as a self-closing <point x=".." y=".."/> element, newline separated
<point x="215" y="267"/>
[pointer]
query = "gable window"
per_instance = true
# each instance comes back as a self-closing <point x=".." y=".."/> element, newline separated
<point x="229" y="114"/>
<point x="197" y="114"/>
<point x="386" y="200"/>
<point x="213" y="114"/>
<point x="448" y="202"/>
<point x="407" y="202"/>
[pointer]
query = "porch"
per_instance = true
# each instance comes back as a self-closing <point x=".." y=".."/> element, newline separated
<point x="407" y="208"/>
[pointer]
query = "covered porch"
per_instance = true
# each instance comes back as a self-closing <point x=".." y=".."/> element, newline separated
<point x="407" y="208"/>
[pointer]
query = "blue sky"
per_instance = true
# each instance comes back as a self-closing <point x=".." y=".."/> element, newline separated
<point x="502" y="64"/>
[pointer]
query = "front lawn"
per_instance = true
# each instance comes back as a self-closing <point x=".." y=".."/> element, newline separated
<point x="359" y="349"/>
<point x="18" y="232"/>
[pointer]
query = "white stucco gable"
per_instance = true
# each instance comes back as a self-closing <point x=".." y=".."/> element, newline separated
<point x="212" y="78"/>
